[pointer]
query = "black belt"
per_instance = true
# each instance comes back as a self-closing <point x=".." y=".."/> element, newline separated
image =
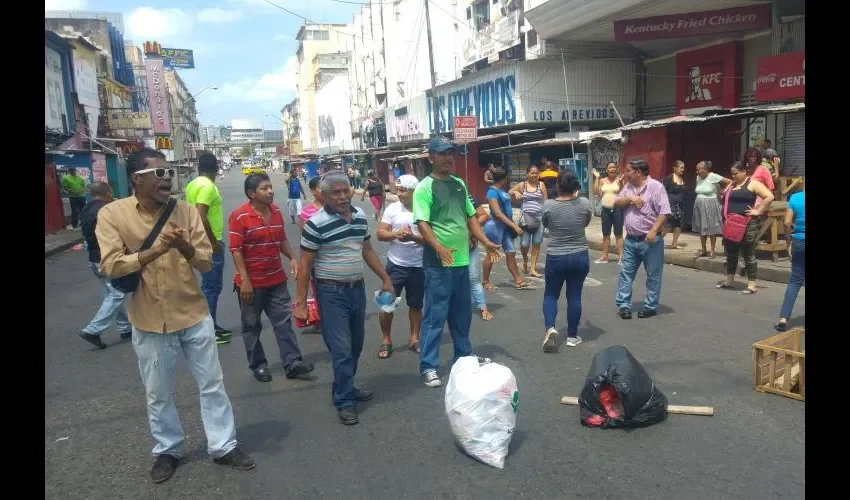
<point x="345" y="284"/>
<point x="636" y="238"/>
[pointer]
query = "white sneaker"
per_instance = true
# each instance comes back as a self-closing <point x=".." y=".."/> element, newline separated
<point x="550" y="341"/>
<point x="573" y="341"/>
<point x="69" y="227"/>
<point x="431" y="379"/>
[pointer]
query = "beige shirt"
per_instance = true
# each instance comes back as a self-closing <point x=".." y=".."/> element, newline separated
<point x="169" y="297"/>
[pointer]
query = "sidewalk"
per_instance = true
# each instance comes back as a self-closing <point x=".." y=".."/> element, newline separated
<point x="60" y="241"/>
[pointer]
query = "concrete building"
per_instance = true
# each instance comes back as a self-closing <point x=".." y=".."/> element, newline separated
<point x="314" y="39"/>
<point x="246" y="131"/>
<point x="272" y="135"/>
<point x="184" y="118"/>
<point x="290" y="118"/>
<point x="99" y="30"/>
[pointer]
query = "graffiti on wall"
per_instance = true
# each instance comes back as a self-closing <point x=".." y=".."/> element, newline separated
<point x="327" y="131"/>
<point x="604" y="152"/>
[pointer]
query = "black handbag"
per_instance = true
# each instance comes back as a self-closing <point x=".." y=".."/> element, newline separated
<point x="130" y="282"/>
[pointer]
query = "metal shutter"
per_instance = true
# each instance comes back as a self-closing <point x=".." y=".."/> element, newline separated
<point x="794" y="157"/>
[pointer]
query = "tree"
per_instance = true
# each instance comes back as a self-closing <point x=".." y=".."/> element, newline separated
<point x="246" y="151"/>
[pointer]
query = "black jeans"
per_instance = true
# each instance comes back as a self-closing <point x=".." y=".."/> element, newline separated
<point x="77" y="204"/>
<point x="746" y="248"/>
<point x="277" y="304"/>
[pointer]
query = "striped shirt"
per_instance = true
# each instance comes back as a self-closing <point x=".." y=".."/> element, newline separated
<point x="639" y="221"/>
<point x="338" y="244"/>
<point x="259" y="243"/>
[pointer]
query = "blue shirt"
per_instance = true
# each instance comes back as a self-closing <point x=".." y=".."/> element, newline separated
<point x="294" y="189"/>
<point x="504" y="203"/>
<point x="797" y="203"/>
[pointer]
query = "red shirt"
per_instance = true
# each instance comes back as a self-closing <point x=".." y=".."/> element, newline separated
<point x="259" y="244"/>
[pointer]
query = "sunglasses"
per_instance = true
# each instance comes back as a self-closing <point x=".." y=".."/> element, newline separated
<point x="158" y="172"/>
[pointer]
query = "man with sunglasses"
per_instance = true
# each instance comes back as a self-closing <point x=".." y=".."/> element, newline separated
<point x="445" y="216"/>
<point x="168" y="311"/>
<point x="204" y="195"/>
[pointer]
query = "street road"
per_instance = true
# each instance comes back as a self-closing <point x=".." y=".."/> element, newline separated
<point x="97" y="440"/>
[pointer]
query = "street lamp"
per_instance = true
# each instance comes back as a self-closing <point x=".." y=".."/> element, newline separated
<point x="194" y="97"/>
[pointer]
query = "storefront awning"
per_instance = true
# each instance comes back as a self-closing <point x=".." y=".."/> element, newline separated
<point x="486" y="138"/>
<point x="717" y="113"/>
<point x="556" y="141"/>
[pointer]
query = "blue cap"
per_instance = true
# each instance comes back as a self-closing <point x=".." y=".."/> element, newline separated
<point x="439" y="144"/>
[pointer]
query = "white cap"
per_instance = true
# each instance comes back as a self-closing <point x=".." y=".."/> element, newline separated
<point x="407" y="181"/>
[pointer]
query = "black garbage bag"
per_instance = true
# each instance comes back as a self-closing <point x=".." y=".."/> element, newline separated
<point x="615" y="369"/>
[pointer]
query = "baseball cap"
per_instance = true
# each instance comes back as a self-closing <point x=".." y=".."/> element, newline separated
<point x="770" y="153"/>
<point x="407" y="181"/>
<point x="439" y="144"/>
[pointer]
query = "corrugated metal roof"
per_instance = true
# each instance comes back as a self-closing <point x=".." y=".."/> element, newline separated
<point x="717" y="113"/>
<point x="583" y="138"/>
<point x="485" y="138"/>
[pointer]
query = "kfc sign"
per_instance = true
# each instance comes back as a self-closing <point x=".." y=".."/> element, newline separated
<point x="708" y="77"/>
<point x="782" y="77"/>
<point x="693" y="24"/>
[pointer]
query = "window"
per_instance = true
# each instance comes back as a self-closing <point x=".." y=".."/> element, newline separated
<point x="318" y="35"/>
<point x="481" y="15"/>
<point x="469" y="13"/>
<point x="531" y="38"/>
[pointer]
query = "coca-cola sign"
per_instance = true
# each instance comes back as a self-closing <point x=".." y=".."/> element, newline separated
<point x="782" y="77"/>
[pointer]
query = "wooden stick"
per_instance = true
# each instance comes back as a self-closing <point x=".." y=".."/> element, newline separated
<point x="677" y="409"/>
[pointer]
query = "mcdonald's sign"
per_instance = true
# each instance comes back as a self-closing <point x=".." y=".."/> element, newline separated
<point x="131" y="147"/>
<point x="163" y="142"/>
<point x="153" y="48"/>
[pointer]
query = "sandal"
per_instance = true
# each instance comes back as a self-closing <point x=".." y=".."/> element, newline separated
<point x="385" y="348"/>
<point x="489" y="286"/>
<point x="701" y="253"/>
<point x="486" y="315"/>
<point x="748" y="291"/>
<point x="525" y="285"/>
<point x="535" y="274"/>
<point x="601" y="260"/>
<point x="724" y="285"/>
<point x="415" y="347"/>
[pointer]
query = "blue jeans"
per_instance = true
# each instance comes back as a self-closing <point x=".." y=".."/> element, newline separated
<point x="798" y="277"/>
<point x="498" y="234"/>
<point x="111" y="307"/>
<point x="636" y="252"/>
<point x="447" y="293"/>
<point x="343" y="313"/>
<point x="572" y="269"/>
<point x="158" y="353"/>
<point x="531" y="238"/>
<point x="475" y="286"/>
<point x="213" y="281"/>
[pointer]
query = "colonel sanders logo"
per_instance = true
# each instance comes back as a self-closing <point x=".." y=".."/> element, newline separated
<point x="704" y="83"/>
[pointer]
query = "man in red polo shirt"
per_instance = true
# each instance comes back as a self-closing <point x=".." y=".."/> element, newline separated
<point x="257" y="239"/>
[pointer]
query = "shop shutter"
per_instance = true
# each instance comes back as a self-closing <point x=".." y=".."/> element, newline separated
<point x="794" y="157"/>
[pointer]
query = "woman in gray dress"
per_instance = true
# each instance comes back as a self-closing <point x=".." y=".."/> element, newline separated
<point x="707" y="220"/>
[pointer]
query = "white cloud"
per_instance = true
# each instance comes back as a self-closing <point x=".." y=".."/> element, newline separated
<point x="147" y="23"/>
<point x="65" y="4"/>
<point x="275" y="87"/>
<point x="218" y="15"/>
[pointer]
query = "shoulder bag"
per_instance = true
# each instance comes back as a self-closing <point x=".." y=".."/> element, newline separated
<point x="734" y="225"/>
<point x="529" y="221"/>
<point x="130" y="282"/>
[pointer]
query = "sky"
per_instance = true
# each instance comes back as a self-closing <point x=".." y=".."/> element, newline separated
<point x="245" y="48"/>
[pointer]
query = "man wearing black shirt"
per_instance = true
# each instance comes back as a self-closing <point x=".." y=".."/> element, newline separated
<point x="113" y="300"/>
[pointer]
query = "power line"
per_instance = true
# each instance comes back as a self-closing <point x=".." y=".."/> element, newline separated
<point x="314" y="22"/>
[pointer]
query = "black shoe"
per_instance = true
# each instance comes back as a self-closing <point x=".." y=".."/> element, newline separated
<point x="625" y="313"/>
<point x="646" y="313"/>
<point x="126" y="335"/>
<point x="298" y="368"/>
<point x="348" y="415"/>
<point x="362" y="395"/>
<point x="236" y="459"/>
<point x="262" y="374"/>
<point x="163" y="468"/>
<point x="94" y="340"/>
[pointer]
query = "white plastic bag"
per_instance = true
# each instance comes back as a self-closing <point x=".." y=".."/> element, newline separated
<point x="389" y="308"/>
<point x="481" y="403"/>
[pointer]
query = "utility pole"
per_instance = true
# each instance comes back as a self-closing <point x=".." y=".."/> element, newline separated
<point x="434" y="101"/>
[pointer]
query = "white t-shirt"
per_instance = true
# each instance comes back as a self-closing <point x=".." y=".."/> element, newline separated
<point x="402" y="253"/>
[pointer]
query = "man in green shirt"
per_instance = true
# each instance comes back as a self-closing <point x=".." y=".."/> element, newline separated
<point x="203" y="193"/>
<point x="75" y="185"/>
<point x="445" y="217"/>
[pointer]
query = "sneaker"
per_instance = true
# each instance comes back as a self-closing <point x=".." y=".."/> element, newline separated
<point x="223" y="332"/>
<point x="126" y="335"/>
<point x="236" y="459"/>
<point x="299" y="368"/>
<point x="163" y="468"/>
<point x="573" y="341"/>
<point x="431" y="379"/>
<point x="93" y="339"/>
<point x="483" y="361"/>
<point x="550" y="341"/>
<point x="221" y="339"/>
<point x="601" y="260"/>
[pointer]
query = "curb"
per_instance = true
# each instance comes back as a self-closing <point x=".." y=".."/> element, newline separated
<point x="49" y="252"/>
<point x="716" y="265"/>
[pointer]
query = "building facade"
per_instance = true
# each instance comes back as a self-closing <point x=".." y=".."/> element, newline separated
<point x="246" y="131"/>
<point x="184" y="119"/>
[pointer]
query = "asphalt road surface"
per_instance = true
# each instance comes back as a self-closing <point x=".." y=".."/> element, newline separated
<point x="698" y="351"/>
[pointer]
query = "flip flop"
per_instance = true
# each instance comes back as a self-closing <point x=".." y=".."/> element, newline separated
<point x="490" y="287"/>
<point x="387" y="348"/>
<point x="525" y="285"/>
<point x="748" y="291"/>
<point x="415" y="347"/>
<point x="535" y="274"/>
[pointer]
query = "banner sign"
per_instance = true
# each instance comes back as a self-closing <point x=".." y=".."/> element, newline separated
<point x="158" y="96"/>
<point x="178" y="58"/>
<point x="129" y="120"/>
<point x="709" y="77"/>
<point x="781" y="77"/>
<point x="691" y="24"/>
<point x="500" y="34"/>
<point x="465" y="128"/>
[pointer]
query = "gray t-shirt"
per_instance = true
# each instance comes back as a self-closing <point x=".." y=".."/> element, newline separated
<point x="566" y="221"/>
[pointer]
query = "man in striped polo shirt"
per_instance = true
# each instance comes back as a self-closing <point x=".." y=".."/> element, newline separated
<point x="334" y="244"/>
<point x="257" y="239"/>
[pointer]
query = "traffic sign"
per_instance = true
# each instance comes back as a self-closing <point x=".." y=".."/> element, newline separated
<point x="466" y="128"/>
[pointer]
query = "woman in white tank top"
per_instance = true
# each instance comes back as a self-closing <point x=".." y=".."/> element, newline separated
<point x="612" y="218"/>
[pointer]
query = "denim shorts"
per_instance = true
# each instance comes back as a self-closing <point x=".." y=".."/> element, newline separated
<point x="499" y="234"/>
<point x="532" y="237"/>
